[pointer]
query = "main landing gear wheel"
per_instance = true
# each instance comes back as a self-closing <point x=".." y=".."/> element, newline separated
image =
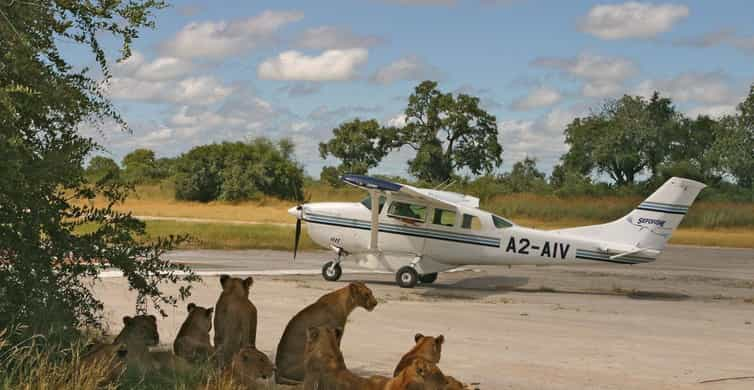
<point x="331" y="272"/>
<point x="428" y="278"/>
<point x="407" y="277"/>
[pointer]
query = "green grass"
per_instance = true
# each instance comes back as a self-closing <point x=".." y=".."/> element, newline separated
<point x="231" y="236"/>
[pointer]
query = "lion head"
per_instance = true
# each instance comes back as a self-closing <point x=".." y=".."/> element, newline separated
<point x="428" y="347"/>
<point x="422" y="374"/>
<point x="454" y="384"/>
<point x="140" y="330"/>
<point x="251" y="364"/>
<point x="362" y="295"/>
<point x="323" y="345"/>
<point x="199" y="318"/>
<point x="236" y="286"/>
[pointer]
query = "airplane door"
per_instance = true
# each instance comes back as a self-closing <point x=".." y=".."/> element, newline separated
<point x="402" y="228"/>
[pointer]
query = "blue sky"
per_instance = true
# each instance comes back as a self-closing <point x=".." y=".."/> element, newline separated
<point x="216" y="71"/>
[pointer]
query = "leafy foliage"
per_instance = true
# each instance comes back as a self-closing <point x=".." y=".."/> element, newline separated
<point x="102" y="169"/>
<point x="360" y="145"/>
<point x="46" y="267"/>
<point x="237" y="171"/>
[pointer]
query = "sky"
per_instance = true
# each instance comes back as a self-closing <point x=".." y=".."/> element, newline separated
<point x="229" y="71"/>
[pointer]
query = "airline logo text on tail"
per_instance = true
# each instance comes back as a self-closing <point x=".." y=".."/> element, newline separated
<point x="650" y="221"/>
<point x="524" y="246"/>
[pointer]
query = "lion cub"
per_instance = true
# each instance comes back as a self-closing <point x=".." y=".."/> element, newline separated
<point x="235" y="318"/>
<point x="427" y="347"/>
<point x="192" y="342"/>
<point x="325" y="367"/>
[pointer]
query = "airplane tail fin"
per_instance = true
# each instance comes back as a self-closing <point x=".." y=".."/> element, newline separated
<point x="649" y="226"/>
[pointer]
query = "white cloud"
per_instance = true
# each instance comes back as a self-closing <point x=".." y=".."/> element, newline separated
<point x="330" y="65"/>
<point x="710" y="88"/>
<point x="632" y="20"/>
<point x="219" y="39"/>
<point x="396" y="121"/>
<point x="537" y="98"/>
<point x="160" y="69"/>
<point x="331" y="37"/>
<point x="411" y="68"/>
<point x="193" y="90"/>
<point x="603" y="76"/>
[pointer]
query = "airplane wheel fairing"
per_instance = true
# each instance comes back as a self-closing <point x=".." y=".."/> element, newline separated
<point x="428" y="278"/>
<point x="331" y="273"/>
<point x="407" y="277"/>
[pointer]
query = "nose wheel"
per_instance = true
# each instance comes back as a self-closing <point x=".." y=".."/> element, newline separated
<point x="331" y="271"/>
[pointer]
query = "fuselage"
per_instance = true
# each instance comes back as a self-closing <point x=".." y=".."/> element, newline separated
<point x="444" y="238"/>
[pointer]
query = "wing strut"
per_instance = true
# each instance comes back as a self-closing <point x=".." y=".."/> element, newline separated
<point x="375" y="201"/>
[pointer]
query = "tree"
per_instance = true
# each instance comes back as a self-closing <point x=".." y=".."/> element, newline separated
<point x="235" y="171"/>
<point x="448" y="133"/>
<point x="102" y="170"/>
<point x="525" y="176"/>
<point x="615" y="141"/>
<point x="140" y="166"/>
<point x="47" y="263"/>
<point x="360" y="145"/>
<point x="734" y="144"/>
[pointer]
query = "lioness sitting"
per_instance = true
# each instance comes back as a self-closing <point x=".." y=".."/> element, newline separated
<point x="427" y="347"/>
<point x="325" y="367"/>
<point x="192" y="342"/>
<point x="109" y="359"/>
<point x="235" y="318"/>
<point x="330" y="310"/>
<point x="138" y="334"/>
<point x="248" y="366"/>
<point x="420" y="374"/>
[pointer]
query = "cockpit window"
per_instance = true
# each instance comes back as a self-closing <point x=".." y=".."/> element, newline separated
<point x="500" y="223"/>
<point x="367" y="202"/>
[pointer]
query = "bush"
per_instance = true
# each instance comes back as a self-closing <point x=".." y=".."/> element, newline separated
<point x="234" y="171"/>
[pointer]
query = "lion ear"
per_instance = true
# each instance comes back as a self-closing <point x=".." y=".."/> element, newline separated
<point x="223" y="279"/>
<point x="248" y="282"/>
<point x="127" y="320"/>
<point x="153" y="318"/>
<point x="440" y="339"/>
<point x="418" y="337"/>
<point x="190" y="306"/>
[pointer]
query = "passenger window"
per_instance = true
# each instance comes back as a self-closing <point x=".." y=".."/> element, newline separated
<point x="444" y="217"/>
<point x="500" y="223"/>
<point x="367" y="202"/>
<point x="471" y="222"/>
<point x="407" y="211"/>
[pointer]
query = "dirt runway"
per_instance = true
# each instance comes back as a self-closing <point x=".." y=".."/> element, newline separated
<point x="682" y="320"/>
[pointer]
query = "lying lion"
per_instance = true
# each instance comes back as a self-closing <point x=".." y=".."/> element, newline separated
<point x="427" y="347"/>
<point x="138" y="334"/>
<point x="248" y="367"/>
<point x="330" y="310"/>
<point x="420" y="374"/>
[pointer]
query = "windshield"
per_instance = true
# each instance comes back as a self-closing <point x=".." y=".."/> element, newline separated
<point x="367" y="202"/>
<point x="501" y="223"/>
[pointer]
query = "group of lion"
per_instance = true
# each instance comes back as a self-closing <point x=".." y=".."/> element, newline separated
<point x="308" y="354"/>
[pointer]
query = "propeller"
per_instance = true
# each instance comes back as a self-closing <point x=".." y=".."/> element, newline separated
<point x="299" y="211"/>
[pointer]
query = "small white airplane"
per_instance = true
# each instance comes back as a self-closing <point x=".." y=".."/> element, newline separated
<point x="417" y="232"/>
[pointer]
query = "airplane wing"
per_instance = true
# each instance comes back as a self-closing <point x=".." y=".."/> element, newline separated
<point x="434" y="197"/>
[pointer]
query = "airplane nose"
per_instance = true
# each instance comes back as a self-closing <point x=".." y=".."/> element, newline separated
<point x="295" y="211"/>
